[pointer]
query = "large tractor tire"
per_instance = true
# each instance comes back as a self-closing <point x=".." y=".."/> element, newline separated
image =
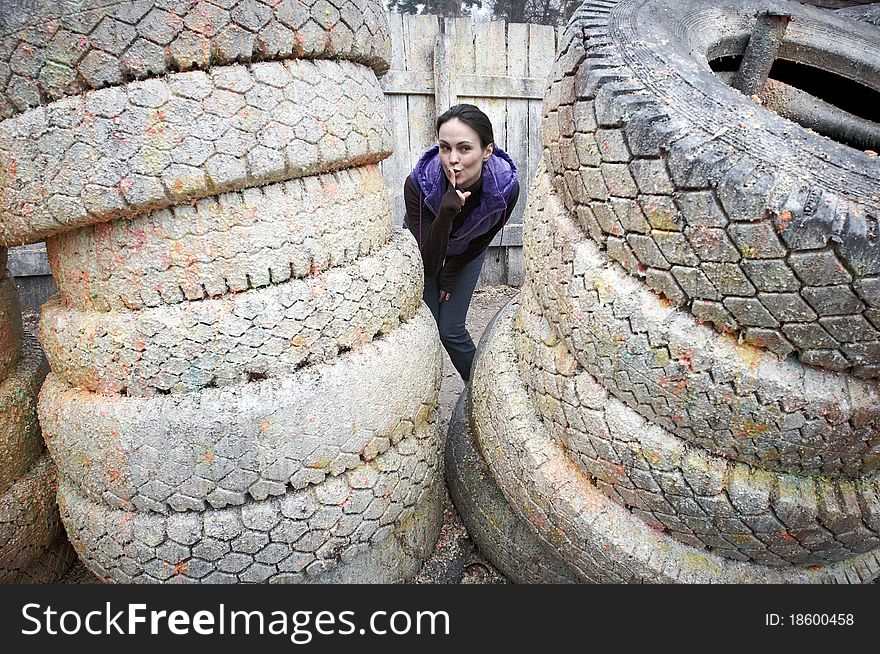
<point x="265" y="332"/>
<point x="502" y="537"/>
<point x="220" y="447"/>
<point x="730" y="398"/>
<point x="600" y="539"/>
<point x="123" y="151"/>
<point x="706" y="501"/>
<point x="49" y="49"/>
<point x="374" y="523"/>
<point x="224" y="244"/>
<point x="751" y="222"/>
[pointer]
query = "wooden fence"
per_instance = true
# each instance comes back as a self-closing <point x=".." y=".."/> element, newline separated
<point x="502" y="68"/>
<point x="435" y="63"/>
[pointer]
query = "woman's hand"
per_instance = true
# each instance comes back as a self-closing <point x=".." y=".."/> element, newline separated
<point x="462" y="197"/>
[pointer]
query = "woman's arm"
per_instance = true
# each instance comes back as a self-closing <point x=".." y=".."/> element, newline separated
<point x="434" y="236"/>
<point x="449" y="272"/>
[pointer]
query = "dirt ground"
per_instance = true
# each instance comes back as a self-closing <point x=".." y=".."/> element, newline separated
<point x="455" y="559"/>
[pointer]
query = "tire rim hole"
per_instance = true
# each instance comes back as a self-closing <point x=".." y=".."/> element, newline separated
<point x="833" y="106"/>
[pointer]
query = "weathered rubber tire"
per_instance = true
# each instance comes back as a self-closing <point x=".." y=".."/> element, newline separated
<point x="320" y="533"/>
<point x="55" y="561"/>
<point x="219" y="446"/>
<point x="127" y="150"/>
<point x="595" y="536"/>
<point x="735" y="510"/>
<point x="50" y="49"/>
<point x="499" y="533"/>
<point x="20" y="438"/>
<point x="223" y="244"/>
<point x="867" y="13"/>
<point x="29" y="521"/>
<point x="10" y="324"/>
<point x="730" y="399"/>
<point x="719" y="202"/>
<point x="265" y="332"/>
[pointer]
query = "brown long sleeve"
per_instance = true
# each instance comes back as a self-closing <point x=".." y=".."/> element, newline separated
<point x="433" y="234"/>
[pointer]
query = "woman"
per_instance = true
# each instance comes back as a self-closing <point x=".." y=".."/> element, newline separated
<point x="459" y="195"/>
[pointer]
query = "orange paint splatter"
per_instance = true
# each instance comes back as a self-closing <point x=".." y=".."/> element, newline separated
<point x="180" y="568"/>
<point x="264" y="426"/>
<point x="686" y="360"/>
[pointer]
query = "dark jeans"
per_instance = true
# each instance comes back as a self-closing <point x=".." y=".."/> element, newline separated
<point x="450" y="315"/>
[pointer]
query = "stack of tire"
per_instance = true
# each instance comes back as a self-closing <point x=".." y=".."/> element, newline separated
<point x="244" y="379"/>
<point x="33" y="546"/>
<point x="686" y="390"/>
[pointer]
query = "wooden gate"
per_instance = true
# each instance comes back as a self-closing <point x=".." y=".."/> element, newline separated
<point x="502" y="68"/>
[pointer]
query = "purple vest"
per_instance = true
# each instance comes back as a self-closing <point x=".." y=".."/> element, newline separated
<point x="499" y="187"/>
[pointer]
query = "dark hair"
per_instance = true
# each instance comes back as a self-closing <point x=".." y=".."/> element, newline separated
<point x="473" y="118"/>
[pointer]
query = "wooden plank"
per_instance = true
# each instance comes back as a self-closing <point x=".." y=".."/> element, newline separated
<point x="502" y="86"/>
<point x="463" y="54"/>
<point x="444" y="95"/>
<point x="396" y="167"/>
<point x="542" y="54"/>
<point x="420" y="33"/>
<point x="490" y="54"/>
<point x="518" y="115"/>
<point x="28" y="261"/>
<point x="414" y="82"/>
<point x="512" y="234"/>
<point x="518" y="50"/>
<point x="490" y="48"/>
<point x="407" y="82"/>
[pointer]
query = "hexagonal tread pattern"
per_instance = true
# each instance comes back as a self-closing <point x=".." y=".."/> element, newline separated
<point x="675" y="184"/>
<point x="264" y="332"/>
<point x="500" y="534"/>
<point x="732" y="509"/>
<point x="593" y="534"/>
<point x="229" y="446"/>
<point x="124" y="151"/>
<point x="52" y="50"/>
<point x="297" y="537"/>
<point x="224" y="244"/>
<point x="731" y="399"/>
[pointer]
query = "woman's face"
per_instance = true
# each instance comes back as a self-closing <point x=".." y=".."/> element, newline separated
<point x="460" y="152"/>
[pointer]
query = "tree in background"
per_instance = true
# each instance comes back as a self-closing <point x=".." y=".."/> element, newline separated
<point x="447" y="8"/>
<point x="544" y="12"/>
